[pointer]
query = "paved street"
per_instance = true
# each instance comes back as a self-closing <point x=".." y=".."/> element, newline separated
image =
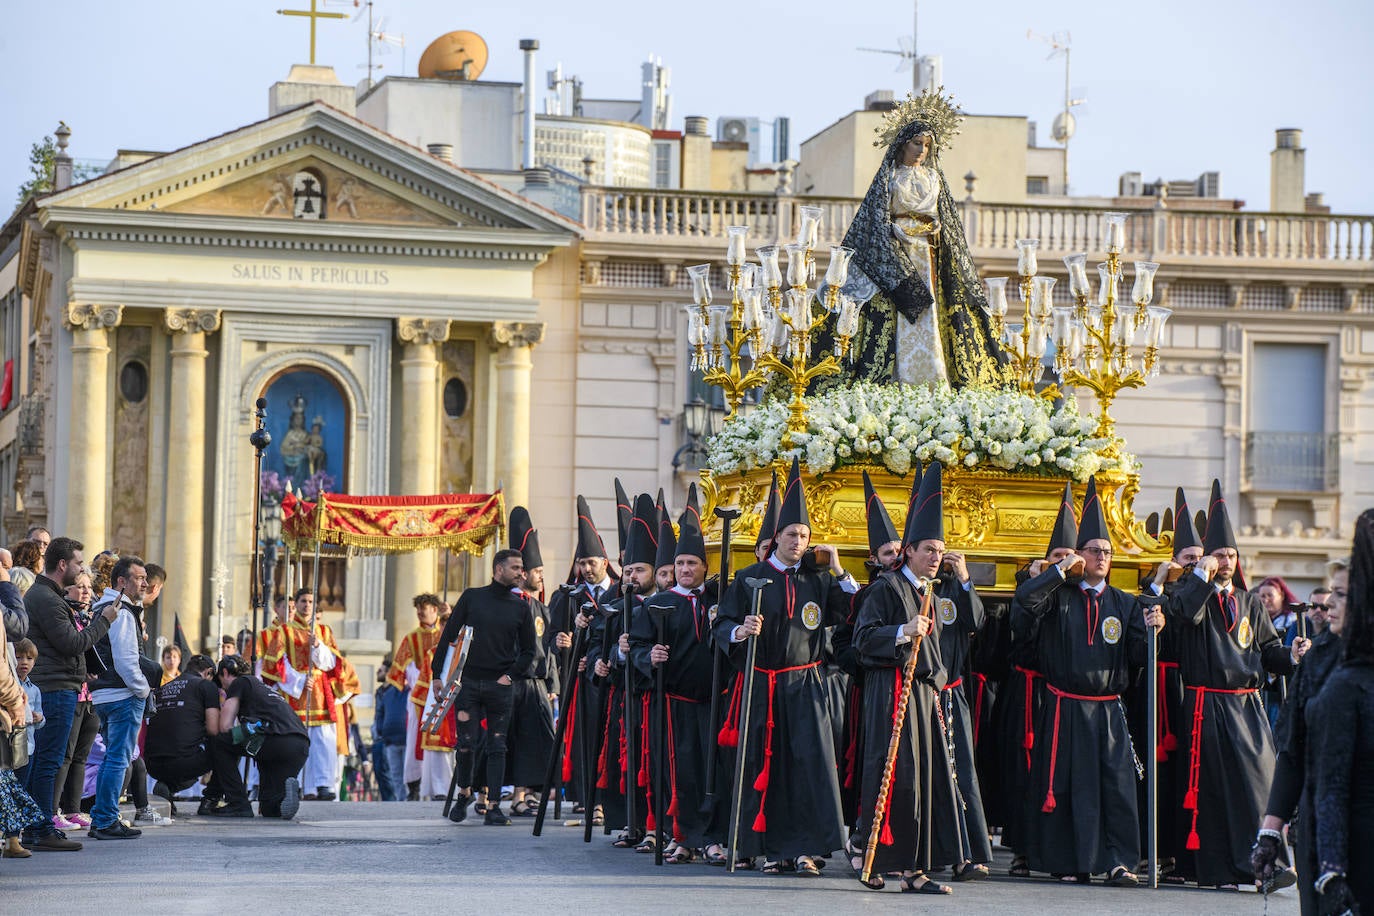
<point x="382" y="858"/>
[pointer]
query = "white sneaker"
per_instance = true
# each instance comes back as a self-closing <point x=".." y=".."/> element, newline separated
<point x="150" y="818"/>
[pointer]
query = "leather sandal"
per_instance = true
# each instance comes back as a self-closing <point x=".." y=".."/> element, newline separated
<point x="807" y="867"/>
<point x="1121" y="877"/>
<point x="929" y="885"/>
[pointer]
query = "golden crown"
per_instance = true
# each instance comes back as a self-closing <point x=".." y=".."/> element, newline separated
<point x="932" y="108"/>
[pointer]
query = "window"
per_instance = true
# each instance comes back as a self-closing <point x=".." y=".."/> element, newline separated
<point x="1287" y="447"/>
<point x="1037" y="184"/>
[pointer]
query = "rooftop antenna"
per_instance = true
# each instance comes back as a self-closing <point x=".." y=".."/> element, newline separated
<point x="379" y="41"/>
<point x="907" y="52"/>
<point x="1064" y="124"/>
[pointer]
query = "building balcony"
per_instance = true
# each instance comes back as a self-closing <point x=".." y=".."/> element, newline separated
<point x="1291" y="462"/>
<point x="697" y="220"/>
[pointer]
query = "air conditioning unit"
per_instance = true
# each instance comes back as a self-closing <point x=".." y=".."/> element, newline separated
<point x="741" y="130"/>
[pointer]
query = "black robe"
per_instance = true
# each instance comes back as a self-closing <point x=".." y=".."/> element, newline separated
<point x="922" y="827"/>
<point x="1167" y="685"/>
<point x="1083" y="771"/>
<point x="849" y="751"/>
<point x="563" y="610"/>
<point x="791" y="800"/>
<point x="961" y="617"/>
<point x="529" y="740"/>
<point x="989" y="667"/>
<point x="610" y="746"/>
<point x="1222" y="662"/>
<point x="1341" y="720"/>
<point x="690" y="733"/>
<point x="1018" y="710"/>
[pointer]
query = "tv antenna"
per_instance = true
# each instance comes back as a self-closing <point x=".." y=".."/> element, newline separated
<point x="906" y="50"/>
<point x="1064" y="123"/>
<point x="379" y="40"/>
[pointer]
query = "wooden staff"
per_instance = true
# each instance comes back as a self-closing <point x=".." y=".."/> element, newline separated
<point x="745" y="702"/>
<point x="555" y="766"/>
<point x="726" y="516"/>
<point x="880" y="809"/>
<point x="1151" y="758"/>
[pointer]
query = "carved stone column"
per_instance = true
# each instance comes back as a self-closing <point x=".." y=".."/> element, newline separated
<point x="186" y="470"/>
<point x="417" y="454"/>
<point x="515" y="342"/>
<point x="88" y="456"/>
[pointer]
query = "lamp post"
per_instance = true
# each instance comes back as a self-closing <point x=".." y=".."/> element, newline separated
<point x="271" y="539"/>
<point x="698" y="422"/>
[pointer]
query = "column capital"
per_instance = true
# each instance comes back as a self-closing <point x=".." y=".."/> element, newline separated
<point x="422" y="330"/>
<point x="191" y="321"/>
<point x="517" y="333"/>
<point x="92" y="317"/>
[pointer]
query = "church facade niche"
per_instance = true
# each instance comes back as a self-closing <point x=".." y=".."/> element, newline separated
<point x="308" y="417"/>
<point x="128" y="503"/>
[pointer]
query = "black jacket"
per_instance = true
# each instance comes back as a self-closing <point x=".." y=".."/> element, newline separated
<point x="61" y="646"/>
<point x="16" y="616"/>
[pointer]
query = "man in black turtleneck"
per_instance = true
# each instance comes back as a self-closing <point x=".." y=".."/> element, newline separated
<point x="503" y="644"/>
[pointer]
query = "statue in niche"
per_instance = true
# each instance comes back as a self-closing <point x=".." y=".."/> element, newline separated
<point x="315" y="455"/>
<point x="296" y="442"/>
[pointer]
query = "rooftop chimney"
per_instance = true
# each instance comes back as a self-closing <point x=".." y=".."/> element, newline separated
<point x="1287" y="172"/>
<point x="697" y="126"/>
<point x="529" y="46"/>
<point x="442" y="150"/>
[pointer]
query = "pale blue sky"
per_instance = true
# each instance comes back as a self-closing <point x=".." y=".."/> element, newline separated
<point x="1175" y="87"/>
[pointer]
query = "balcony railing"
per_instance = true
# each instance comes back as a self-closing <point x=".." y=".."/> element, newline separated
<point x="702" y="216"/>
<point x="1299" y="462"/>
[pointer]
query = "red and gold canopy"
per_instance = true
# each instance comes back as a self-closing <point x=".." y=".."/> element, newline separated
<point x="395" y="524"/>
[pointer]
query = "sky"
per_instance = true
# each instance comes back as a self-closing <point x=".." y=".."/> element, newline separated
<point x="1174" y="88"/>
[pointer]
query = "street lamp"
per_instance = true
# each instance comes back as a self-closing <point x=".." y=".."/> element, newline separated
<point x="700" y="421"/>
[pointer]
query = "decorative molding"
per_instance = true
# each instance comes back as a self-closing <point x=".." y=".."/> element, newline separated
<point x="422" y="331"/>
<point x="1352" y="298"/>
<point x="593" y="270"/>
<point x="1294" y="296"/>
<point x="92" y="317"/>
<point x="191" y="321"/>
<point x="1190" y="367"/>
<point x="517" y="333"/>
<point x="645" y="347"/>
<point x="1237" y="294"/>
<point x="670" y="271"/>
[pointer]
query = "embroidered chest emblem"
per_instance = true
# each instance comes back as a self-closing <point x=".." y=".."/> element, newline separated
<point x="948" y="612"/>
<point x="811" y="615"/>
<point x="1111" y="630"/>
<point x="539" y="627"/>
<point x="1244" y="633"/>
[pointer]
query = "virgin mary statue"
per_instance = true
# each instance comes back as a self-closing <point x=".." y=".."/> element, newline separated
<point x="924" y="320"/>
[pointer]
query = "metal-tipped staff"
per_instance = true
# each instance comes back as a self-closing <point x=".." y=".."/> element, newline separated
<point x="726" y="516"/>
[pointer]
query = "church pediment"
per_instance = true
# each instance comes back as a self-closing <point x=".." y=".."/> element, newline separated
<point x="312" y="163"/>
<point x="311" y="188"/>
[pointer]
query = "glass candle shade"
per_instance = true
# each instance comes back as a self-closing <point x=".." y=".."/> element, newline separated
<point x="1116" y="232"/>
<point x="1039" y="336"/>
<point x="734" y="245"/>
<point x="837" y="273"/>
<point x="700" y="276"/>
<point x="1042" y="297"/>
<point x="696" y="326"/>
<point x="769" y="273"/>
<point x="1123" y="331"/>
<point x="751" y="298"/>
<point x="808" y="233"/>
<point x="1106" y="286"/>
<point x="718" y="326"/>
<point x="847" y="324"/>
<point x="1144" y="289"/>
<point x="997" y="296"/>
<point x="1078" y="275"/>
<point x="796" y="265"/>
<point x="1026" y="263"/>
<point x="1061" y="324"/>
<point x="1156" y="317"/>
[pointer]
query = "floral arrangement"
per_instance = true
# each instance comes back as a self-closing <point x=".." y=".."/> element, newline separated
<point x="274" y="485"/>
<point x="895" y="425"/>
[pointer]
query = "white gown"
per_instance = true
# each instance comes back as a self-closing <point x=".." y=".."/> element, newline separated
<point x="915" y="194"/>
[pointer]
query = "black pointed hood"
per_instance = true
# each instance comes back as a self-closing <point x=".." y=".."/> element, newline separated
<point x="768" y="525"/>
<point x="589" y="543"/>
<point x="1065" y="533"/>
<point x="1092" y="521"/>
<point x="1184" y="535"/>
<point x="880" y="528"/>
<point x="689" y="538"/>
<point x="624" y="511"/>
<point x="667" y="540"/>
<point x="524" y="538"/>
<point x="642" y="538"/>
<point x="1219" y="533"/>
<point x="793" y="511"/>
<point x="925" y="517"/>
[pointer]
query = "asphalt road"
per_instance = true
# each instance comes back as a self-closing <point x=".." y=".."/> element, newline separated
<point x="404" y="858"/>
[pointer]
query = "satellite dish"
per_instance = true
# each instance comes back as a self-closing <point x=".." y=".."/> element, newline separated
<point x="455" y="56"/>
<point x="1063" y="127"/>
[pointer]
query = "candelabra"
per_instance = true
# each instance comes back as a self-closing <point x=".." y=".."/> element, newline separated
<point x="1026" y="342"/>
<point x="772" y="323"/>
<point x="1094" y="338"/>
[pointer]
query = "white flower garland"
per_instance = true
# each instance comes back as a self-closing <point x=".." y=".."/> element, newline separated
<point x="893" y="425"/>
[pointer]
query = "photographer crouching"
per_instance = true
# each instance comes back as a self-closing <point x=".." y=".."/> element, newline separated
<point x="179" y="746"/>
<point x="257" y="722"/>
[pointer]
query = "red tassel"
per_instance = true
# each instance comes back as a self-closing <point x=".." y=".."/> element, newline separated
<point x="761" y="781"/>
<point x="1050" y="803"/>
<point x="1028" y="742"/>
<point x="728" y="737"/>
<point x="672" y="805"/>
<point x="886" y="837"/>
<point x="1190" y="800"/>
<point x="1193" y="843"/>
<point x="1170" y="743"/>
<point x="760" y="822"/>
<point x="1161" y="753"/>
<point x="649" y="823"/>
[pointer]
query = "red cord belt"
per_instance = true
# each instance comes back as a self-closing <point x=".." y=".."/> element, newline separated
<point x="1059" y="697"/>
<point x="1195" y="752"/>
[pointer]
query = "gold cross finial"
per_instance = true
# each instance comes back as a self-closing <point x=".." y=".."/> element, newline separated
<point x="312" y="14"/>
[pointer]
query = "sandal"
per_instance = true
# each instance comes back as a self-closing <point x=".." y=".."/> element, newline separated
<point x="648" y="844"/>
<point x="807" y="868"/>
<point x="626" y="840"/>
<point x="1120" y="877"/>
<point x="928" y="886"/>
<point x="579" y="808"/>
<point x="970" y="871"/>
<point x="715" y="855"/>
<point x="479" y="807"/>
<point x="522" y="808"/>
<point x="1020" y="868"/>
<point x="683" y="855"/>
<point x="1075" y="879"/>
<point x="777" y="868"/>
<point x="598" y="816"/>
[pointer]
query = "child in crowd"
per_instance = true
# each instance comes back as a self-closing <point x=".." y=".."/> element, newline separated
<point x="17" y="809"/>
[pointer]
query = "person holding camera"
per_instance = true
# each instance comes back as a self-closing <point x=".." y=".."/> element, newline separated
<point x="258" y="722"/>
<point x="177" y="748"/>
